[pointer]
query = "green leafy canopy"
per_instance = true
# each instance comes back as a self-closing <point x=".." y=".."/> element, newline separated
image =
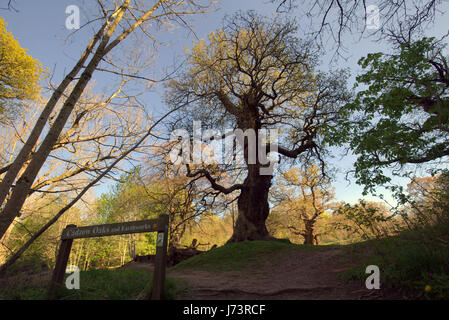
<point x="401" y="116"/>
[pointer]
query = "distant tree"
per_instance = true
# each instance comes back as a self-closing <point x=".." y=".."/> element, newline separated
<point x="365" y="219"/>
<point x="301" y="198"/>
<point x="210" y="229"/>
<point x="427" y="201"/>
<point x="419" y="189"/>
<point x="254" y="74"/>
<point x="146" y="193"/>
<point x="19" y="75"/>
<point x="172" y="193"/>
<point x="126" y="201"/>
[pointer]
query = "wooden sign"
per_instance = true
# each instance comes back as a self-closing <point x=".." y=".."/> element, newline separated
<point x="113" y="229"/>
<point x="71" y="232"/>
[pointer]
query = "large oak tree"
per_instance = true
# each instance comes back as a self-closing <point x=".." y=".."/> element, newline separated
<point x="253" y="74"/>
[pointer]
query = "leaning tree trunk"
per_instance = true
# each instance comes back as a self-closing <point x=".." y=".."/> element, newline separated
<point x="253" y="207"/>
<point x="20" y="192"/>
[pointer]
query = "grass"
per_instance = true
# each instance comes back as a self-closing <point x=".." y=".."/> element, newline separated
<point x="415" y="262"/>
<point x="118" y="284"/>
<point x="129" y="284"/>
<point x="239" y="256"/>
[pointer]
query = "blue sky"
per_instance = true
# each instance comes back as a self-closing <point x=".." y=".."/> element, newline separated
<point x="39" y="26"/>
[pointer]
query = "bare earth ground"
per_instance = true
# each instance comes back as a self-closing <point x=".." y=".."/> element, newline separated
<point x="288" y="275"/>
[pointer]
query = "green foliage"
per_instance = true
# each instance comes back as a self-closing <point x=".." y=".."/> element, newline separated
<point x="20" y="73"/>
<point x="128" y="200"/>
<point x="125" y="201"/>
<point x="401" y="115"/>
<point x="427" y="202"/>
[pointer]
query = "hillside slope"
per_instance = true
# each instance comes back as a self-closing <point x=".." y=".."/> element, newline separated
<point x="274" y="271"/>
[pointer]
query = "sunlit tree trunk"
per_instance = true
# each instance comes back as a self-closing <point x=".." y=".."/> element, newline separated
<point x="309" y="232"/>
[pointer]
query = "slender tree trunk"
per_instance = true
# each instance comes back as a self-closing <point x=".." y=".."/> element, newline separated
<point x="86" y="267"/>
<point x="19" y="253"/>
<point x="233" y="216"/>
<point x="132" y="247"/>
<point x="174" y="239"/>
<point x="123" y="258"/>
<point x="23" y="185"/>
<point x="22" y="157"/>
<point x="19" y="195"/>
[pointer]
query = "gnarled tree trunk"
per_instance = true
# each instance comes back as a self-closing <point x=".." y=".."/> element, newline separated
<point x="253" y="206"/>
<point x="253" y="210"/>
<point x="309" y="232"/>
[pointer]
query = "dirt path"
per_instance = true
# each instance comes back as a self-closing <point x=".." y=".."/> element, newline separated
<point x="294" y="275"/>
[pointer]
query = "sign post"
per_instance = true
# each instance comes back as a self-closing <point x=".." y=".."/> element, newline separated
<point x="160" y="262"/>
<point x="71" y="232"/>
<point x="61" y="263"/>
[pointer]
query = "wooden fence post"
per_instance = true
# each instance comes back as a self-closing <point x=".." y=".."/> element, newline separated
<point x="160" y="264"/>
<point x="61" y="264"/>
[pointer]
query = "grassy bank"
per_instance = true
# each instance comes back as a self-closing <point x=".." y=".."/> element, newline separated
<point x="239" y="256"/>
<point x="415" y="262"/>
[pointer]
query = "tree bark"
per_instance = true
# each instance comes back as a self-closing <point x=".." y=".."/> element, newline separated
<point x="253" y="208"/>
<point x="308" y="233"/>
